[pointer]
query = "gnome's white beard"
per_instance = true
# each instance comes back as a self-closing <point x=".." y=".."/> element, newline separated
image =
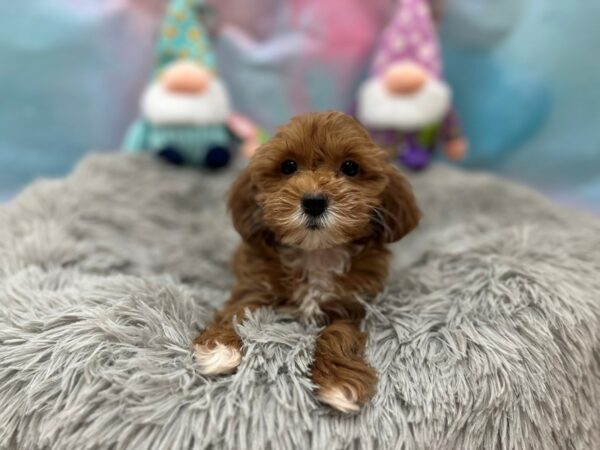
<point x="162" y="107"/>
<point x="378" y="108"/>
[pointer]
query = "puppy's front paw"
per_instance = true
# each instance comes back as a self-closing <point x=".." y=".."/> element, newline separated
<point x="217" y="359"/>
<point x="342" y="398"/>
<point x="343" y="378"/>
<point x="218" y="350"/>
<point x="344" y="383"/>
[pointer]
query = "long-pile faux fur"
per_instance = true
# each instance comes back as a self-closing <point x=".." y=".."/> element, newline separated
<point x="488" y="336"/>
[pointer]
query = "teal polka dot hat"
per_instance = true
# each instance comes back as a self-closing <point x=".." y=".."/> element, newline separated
<point x="183" y="35"/>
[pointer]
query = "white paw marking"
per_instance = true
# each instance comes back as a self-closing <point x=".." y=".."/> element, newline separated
<point x="344" y="400"/>
<point x="218" y="360"/>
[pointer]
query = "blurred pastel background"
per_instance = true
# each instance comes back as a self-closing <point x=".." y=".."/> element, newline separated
<point x="525" y="73"/>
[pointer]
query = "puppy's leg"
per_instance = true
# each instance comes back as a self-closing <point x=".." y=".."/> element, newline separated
<point x="218" y="347"/>
<point x="343" y="378"/>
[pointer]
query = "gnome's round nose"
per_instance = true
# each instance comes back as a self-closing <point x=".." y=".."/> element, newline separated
<point x="186" y="77"/>
<point x="404" y="78"/>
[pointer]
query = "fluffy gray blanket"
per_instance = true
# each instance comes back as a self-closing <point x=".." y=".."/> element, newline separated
<point x="488" y="336"/>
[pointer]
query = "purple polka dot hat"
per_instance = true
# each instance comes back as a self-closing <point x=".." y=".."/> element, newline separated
<point x="410" y="36"/>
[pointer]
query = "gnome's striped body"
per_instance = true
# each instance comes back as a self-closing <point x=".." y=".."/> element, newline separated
<point x="203" y="146"/>
<point x="416" y="149"/>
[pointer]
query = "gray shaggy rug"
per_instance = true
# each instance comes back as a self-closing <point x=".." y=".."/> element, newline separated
<point x="488" y="336"/>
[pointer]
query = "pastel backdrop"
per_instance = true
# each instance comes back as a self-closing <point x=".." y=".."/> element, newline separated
<point x="524" y="72"/>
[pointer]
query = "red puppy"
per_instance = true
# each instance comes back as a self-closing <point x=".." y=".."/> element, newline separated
<point x="315" y="207"/>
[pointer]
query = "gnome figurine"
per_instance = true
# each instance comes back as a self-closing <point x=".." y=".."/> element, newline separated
<point x="186" y="118"/>
<point x="405" y="102"/>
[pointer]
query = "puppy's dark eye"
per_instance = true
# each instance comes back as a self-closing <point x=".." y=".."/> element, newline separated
<point x="349" y="168"/>
<point x="289" y="166"/>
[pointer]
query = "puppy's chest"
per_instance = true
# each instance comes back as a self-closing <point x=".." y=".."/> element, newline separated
<point x="314" y="277"/>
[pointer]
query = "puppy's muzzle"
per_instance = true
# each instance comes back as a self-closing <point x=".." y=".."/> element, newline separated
<point x="314" y="205"/>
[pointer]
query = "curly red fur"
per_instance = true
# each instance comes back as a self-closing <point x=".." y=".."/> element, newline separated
<point x="283" y="263"/>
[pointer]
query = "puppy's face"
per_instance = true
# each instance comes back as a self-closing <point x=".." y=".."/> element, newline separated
<point x="321" y="182"/>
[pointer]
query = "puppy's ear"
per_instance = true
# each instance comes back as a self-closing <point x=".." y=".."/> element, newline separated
<point x="245" y="211"/>
<point x="399" y="213"/>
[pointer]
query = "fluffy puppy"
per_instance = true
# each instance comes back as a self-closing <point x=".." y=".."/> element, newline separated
<point x="315" y="207"/>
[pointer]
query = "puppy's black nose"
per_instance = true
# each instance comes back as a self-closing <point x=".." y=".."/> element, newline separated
<point x="314" y="204"/>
